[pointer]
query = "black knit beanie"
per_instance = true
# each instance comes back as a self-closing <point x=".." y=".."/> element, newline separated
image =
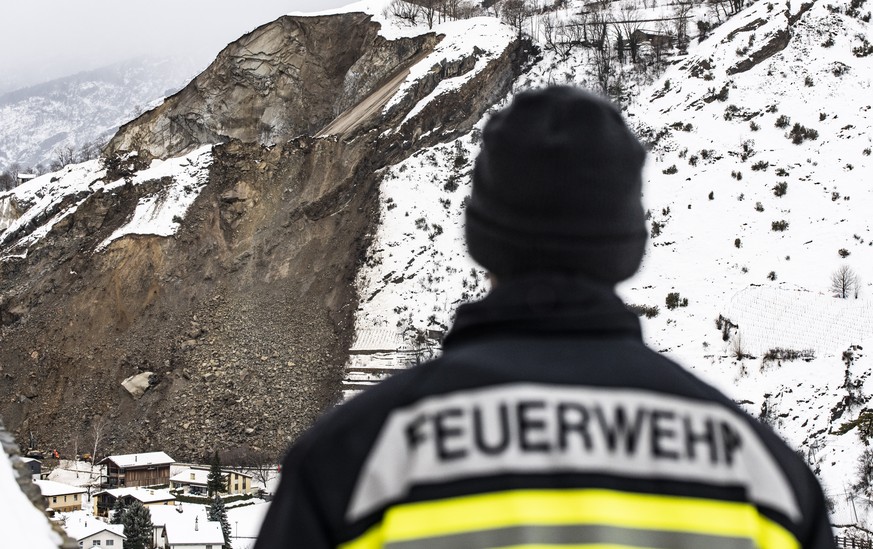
<point x="556" y="188"/>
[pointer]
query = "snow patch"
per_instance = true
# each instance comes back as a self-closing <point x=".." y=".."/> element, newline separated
<point x="160" y="214"/>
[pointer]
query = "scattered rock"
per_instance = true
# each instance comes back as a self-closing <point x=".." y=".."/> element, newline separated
<point x="137" y="384"/>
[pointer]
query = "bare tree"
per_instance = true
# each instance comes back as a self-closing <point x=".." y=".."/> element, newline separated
<point x="619" y="44"/>
<point x="562" y="38"/>
<point x="603" y="67"/>
<point x="629" y="25"/>
<point x="76" y="454"/>
<point x="660" y="44"/>
<point x="406" y="11"/>
<point x="97" y="428"/>
<point x="599" y="22"/>
<point x="13" y="170"/>
<point x="63" y="156"/>
<point x="843" y="282"/>
<point x="451" y="8"/>
<point x="682" y="14"/>
<point x="719" y="8"/>
<point x="515" y="12"/>
<point x="429" y="10"/>
<point x="7" y="181"/>
<point x="88" y="151"/>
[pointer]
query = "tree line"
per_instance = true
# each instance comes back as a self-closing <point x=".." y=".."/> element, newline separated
<point x="62" y="156"/>
<point x="614" y="32"/>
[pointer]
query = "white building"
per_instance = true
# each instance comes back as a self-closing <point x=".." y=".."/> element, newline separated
<point x="193" y="481"/>
<point x="92" y="532"/>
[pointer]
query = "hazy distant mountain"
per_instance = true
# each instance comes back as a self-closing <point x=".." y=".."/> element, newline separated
<point x="85" y="108"/>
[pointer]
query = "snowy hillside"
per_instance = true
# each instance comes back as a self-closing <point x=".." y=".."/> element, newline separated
<point x="83" y="109"/>
<point x="715" y="227"/>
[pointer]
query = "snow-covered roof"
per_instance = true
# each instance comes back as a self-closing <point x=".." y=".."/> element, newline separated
<point x="127" y="461"/>
<point x="50" y="488"/>
<point x="82" y="477"/>
<point x="23" y="524"/>
<point x="194" y="532"/>
<point x="144" y="495"/>
<point x="238" y="473"/>
<point x="378" y="339"/>
<point x="169" y="514"/>
<point x="88" y="526"/>
<point x="200" y="476"/>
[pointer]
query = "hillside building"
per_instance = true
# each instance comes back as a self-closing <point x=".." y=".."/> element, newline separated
<point x="59" y="497"/>
<point x="132" y="470"/>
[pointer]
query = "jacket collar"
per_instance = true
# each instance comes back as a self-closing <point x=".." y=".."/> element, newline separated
<point x="545" y="304"/>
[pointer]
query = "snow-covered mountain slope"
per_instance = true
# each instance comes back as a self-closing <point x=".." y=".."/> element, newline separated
<point x="748" y="227"/>
<point x="84" y="109"/>
<point x="774" y="206"/>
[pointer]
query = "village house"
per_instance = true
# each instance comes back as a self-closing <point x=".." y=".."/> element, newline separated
<point x="59" y="497"/>
<point x="194" y="534"/>
<point x="238" y="483"/>
<point x="33" y="465"/>
<point x="192" y="481"/>
<point x="25" y="177"/>
<point x="656" y="39"/>
<point x="131" y="470"/>
<point x="92" y="532"/>
<point x="104" y="500"/>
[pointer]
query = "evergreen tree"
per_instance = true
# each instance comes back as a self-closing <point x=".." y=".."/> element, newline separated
<point x="215" y="480"/>
<point x="118" y="510"/>
<point x="218" y="513"/>
<point x="138" y="527"/>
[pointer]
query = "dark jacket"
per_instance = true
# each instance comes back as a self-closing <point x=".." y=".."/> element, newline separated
<point x="545" y="421"/>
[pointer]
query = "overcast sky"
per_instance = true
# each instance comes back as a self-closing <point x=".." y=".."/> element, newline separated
<point x="43" y="39"/>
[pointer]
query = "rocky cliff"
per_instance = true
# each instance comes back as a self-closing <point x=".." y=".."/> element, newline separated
<point x="232" y="329"/>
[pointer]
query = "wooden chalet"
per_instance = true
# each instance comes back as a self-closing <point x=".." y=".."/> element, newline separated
<point x="132" y="470"/>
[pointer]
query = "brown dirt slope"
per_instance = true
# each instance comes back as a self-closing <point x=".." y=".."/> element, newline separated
<point x="244" y="318"/>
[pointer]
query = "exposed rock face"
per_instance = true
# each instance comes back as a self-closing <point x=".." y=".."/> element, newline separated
<point x="243" y="320"/>
<point x="284" y="79"/>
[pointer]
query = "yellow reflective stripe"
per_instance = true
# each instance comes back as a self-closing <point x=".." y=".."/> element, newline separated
<point x="371" y="539"/>
<point x="588" y="506"/>
<point x="773" y="535"/>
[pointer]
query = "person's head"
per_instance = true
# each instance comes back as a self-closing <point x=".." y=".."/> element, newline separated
<point x="557" y="189"/>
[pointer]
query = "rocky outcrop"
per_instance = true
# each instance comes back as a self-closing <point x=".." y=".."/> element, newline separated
<point x="241" y="322"/>
<point x="287" y="78"/>
<point x="775" y="44"/>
